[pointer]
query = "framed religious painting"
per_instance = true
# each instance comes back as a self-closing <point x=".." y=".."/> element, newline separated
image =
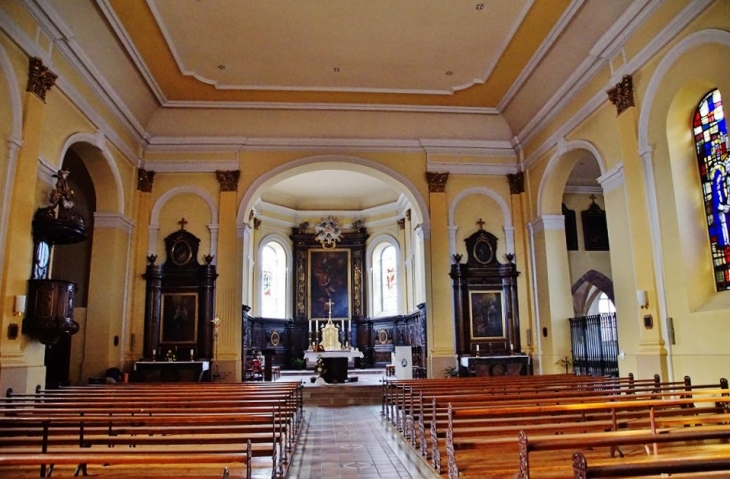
<point x="329" y="283"/>
<point x="179" y="324"/>
<point x="487" y="315"/>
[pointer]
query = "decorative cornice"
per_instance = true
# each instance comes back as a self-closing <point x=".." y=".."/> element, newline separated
<point x="583" y="190"/>
<point x="622" y="94"/>
<point x="489" y="148"/>
<point x="548" y="223"/>
<point x="436" y="181"/>
<point x="40" y="78"/>
<point x="228" y="180"/>
<point x="145" y="179"/>
<point x="612" y="179"/>
<point x="190" y="166"/>
<point x="472" y="169"/>
<point x="113" y="220"/>
<point x="516" y="183"/>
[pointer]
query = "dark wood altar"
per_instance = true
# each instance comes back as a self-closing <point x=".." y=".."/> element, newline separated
<point x="486" y="315"/>
<point x="180" y="302"/>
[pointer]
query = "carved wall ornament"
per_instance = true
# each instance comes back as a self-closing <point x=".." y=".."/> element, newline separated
<point x="228" y="179"/>
<point x="436" y="181"/>
<point x="622" y="95"/>
<point x="402" y="224"/>
<point x="516" y="183"/>
<point x="256" y="223"/>
<point x="40" y="78"/>
<point x="328" y="232"/>
<point x="408" y="215"/>
<point x="145" y="179"/>
<point x="251" y="215"/>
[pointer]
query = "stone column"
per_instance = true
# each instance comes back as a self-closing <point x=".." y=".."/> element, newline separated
<point x="21" y="359"/>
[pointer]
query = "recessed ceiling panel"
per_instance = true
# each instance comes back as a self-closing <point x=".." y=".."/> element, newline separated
<point x="417" y="52"/>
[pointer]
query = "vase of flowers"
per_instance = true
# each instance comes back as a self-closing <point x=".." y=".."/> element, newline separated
<point x="320" y="370"/>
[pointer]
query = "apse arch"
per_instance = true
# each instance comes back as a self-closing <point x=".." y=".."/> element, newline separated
<point x="552" y="184"/>
<point x="103" y="170"/>
<point x="341" y="162"/>
<point x="14" y="100"/>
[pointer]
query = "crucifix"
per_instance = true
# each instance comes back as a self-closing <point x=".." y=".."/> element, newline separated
<point x="593" y="198"/>
<point x="182" y="223"/>
<point x="480" y="223"/>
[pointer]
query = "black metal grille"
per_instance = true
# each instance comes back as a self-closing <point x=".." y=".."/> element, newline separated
<point x="594" y="341"/>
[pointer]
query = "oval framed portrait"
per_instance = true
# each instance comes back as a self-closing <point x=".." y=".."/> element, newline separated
<point x="383" y="336"/>
<point x="275" y="339"/>
<point x="181" y="252"/>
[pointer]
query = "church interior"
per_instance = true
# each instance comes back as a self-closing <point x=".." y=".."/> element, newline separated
<point x="219" y="191"/>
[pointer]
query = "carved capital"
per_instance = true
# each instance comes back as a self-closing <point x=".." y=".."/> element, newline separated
<point x="256" y="223"/>
<point x="228" y="179"/>
<point x="436" y="181"/>
<point x="145" y="179"/>
<point x="402" y="224"/>
<point x="40" y="78"/>
<point x="622" y="95"/>
<point x="408" y="215"/>
<point x="516" y="183"/>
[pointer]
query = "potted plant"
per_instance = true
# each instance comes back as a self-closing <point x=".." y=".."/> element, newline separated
<point x="319" y="370"/>
<point x="299" y="364"/>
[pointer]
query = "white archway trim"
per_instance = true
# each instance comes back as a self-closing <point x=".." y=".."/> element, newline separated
<point x="564" y="147"/>
<point x="154" y="226"/>
<point x="254" y="191"/>
<point x="372" y="246"/>
<point x="104" y="219"/>
<point x="696" y="39"/>
<point x="99" y="141"/>
<point x="506" y="216"/>
<point x="13" y="143"/>
<point x="284" y="242"/>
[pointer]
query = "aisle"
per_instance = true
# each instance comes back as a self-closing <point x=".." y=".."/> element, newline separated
<point x="352" y="442"/>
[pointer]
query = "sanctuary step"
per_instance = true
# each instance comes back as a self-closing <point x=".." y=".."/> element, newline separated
<point x="343" y="395"/>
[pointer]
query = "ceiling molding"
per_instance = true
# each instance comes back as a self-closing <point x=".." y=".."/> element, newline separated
<point x="190" y="166"/>
<point x="263" y="207"/>
<point x="540" y="53"/>
<point x="134" y="54"/>
<point x="613" y="40"/>
<point x="462" y="110"/>
<point x="472" y="169"/>
<point x="508" y="39"/>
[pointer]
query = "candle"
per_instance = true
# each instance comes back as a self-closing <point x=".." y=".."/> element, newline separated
<point x="192" y="354"/>
<point x="477" y="348"/>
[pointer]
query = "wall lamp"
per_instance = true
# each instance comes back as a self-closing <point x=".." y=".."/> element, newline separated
<point x="642" y="299"/>
<point x="19" y="305"/>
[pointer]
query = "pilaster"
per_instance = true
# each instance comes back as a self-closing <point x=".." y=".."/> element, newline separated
<point x="651" y="356"/>
<point x="21" y="359"/>
<point x="441" y="335"/>
<point x="229" y="282"/>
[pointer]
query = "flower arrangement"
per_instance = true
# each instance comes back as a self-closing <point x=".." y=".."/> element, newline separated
<point x="319" y="368"/>
<point x="565" y="361"/>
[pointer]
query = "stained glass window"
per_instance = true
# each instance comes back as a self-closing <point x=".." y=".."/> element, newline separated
<point x="273" y="281"/>
<point x="710" y="133"/>
<point x="385" y="280"/>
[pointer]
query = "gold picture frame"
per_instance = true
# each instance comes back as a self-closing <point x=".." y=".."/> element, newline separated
<point x="275" y="339"/>
<point x="382" y="336"/>
<point x="487" y="315"/>
<point x="179" y="324"/>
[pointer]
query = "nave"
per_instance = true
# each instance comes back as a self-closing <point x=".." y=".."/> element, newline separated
<point x="353" y="442"/>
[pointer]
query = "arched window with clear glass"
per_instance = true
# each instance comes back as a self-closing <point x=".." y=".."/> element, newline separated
<point x="385" y="280"/>
<point x="710" y="133"/>
<point x="273" y="280"/>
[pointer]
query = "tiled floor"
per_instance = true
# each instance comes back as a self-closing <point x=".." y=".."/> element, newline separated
<point x="352" y="442"/>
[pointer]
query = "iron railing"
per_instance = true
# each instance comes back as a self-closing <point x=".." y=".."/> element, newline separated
<point x="594" y="341"/>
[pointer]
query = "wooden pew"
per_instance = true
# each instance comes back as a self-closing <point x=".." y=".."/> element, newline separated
<point x="581" y="469"/>
<point x="62" y="425"/>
